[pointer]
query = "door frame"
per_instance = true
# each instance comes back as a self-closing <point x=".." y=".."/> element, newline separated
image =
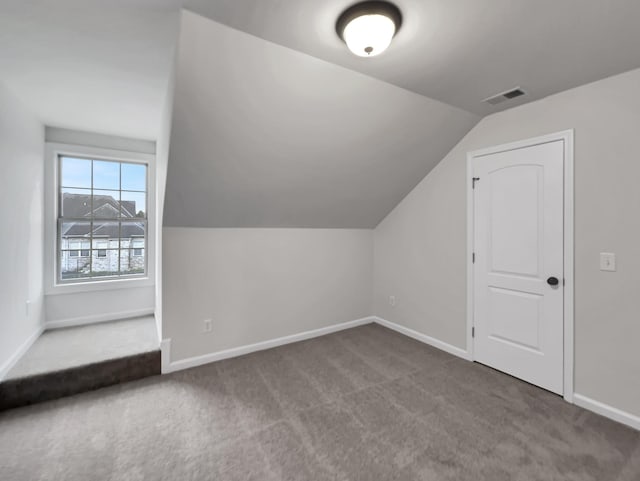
<point x="567" y="137"/>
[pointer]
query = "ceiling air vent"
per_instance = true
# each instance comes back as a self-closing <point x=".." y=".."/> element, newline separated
<point x="508" y="95"/>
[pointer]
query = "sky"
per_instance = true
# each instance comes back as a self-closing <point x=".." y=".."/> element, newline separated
<point x="76" y="173"/>
<point x="76" y="178"/>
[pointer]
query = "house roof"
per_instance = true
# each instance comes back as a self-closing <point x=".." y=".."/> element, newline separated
<point x="105" y="207"/>
<point x="107" y="230"/>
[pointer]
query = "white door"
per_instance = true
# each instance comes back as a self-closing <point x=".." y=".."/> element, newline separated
<point x="518" y="267"/>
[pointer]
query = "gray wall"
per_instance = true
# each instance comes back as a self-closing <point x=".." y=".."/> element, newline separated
<point x="265" y="136"/>
<point x="21" y="218"/>
<point x="420" y="248"/>
<point x="261" y="284"/>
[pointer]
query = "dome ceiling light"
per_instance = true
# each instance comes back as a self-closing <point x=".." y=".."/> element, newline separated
<point x="368" y="27"/>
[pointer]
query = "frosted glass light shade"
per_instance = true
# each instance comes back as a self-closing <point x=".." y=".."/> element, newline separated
<point x="368" y="27"/>
<point x="369" y="35"/>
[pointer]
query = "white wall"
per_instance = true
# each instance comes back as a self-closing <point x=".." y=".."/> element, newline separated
<point x="420" y="248"/>
<point x="21" y="221"/>
<point x="70" y="309"/>
<point x="91" y="139"/>
<point x="162" y="160"/>
<point x="261" y="284"/>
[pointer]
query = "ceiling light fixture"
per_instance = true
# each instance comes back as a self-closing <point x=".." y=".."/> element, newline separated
<point x="368" y="27"/>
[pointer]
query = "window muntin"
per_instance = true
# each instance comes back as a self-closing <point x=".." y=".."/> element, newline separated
<point x="102" y="219"/>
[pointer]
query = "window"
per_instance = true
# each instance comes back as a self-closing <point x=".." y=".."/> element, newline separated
<point x="102" y="219"/>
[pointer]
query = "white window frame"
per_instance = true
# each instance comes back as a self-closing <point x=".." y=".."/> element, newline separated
<point x="53" y="285"/>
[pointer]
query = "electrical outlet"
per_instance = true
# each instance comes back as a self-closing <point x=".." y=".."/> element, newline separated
<point x="607" y="261"/>
<point x="207" y="325"/>
<point x="392" y="301"/>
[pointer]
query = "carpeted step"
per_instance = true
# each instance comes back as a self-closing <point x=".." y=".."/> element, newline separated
<point x="22" y="391"/>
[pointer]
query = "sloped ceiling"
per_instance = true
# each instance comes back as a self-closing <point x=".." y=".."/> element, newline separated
<point x="90" y="65"/>
<point x="461" y="51"/>
<point x="265" y="136"/>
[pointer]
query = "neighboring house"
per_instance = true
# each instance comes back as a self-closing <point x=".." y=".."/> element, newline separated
<point x="109" y="242"/>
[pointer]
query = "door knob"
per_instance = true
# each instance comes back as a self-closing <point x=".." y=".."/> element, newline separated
<point x="553" y="281"/>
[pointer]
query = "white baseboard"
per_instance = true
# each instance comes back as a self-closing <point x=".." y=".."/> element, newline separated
<point x="168" y="366"/>
<point x="607" y="411"/>
<point x="259" y="346"/>
<point x="94" y="319"/>
<point x="24" y="347"/>
<point x="456" y="351"/>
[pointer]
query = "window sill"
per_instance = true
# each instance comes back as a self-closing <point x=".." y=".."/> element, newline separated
<point x="94" y="286"/>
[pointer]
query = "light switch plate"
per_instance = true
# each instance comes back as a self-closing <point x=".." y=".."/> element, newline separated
<point x="607" y="261"/>
<point x="207" y="325"/>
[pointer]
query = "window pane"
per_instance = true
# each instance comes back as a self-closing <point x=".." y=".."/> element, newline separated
<point x="137" y="243"/>
<point x="72" y="266"/>
<point x="106" y="234"/>
<point x="132" y="233"/>
<point x="104" y="242"/>
<point x="75" y="203"/>
<point x="134" y="204"/>
<point x="75" y="234"/>
<point x="130" y="263"/>
<point x="75" y="172"/>
<point x="111" y="241"/>
<point x="106" y="175"/>
<point x="106" y="265"/>
<point x="106" y="204"/>
<point x="134" y="177"/>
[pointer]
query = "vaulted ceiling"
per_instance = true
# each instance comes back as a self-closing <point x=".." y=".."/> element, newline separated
<point x="275" y="122"/>
<point x="265" y="136"/>
<point x="461" y="51"/>
<point x="90" y="65"/>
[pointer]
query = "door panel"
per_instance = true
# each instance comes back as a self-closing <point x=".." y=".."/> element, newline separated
<point x="514" y="211"/>
<point x="518" y="242"/>
<point x="513" y="317"/>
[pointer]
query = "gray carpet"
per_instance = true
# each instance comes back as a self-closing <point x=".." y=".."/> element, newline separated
<point x="363" y="404"/>
<point x="71" y="347"/>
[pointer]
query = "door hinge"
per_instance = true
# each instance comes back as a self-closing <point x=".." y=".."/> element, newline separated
<point x="473" y="182"/>
<point x="473" y="332"/>
<point x="473" y="257"/>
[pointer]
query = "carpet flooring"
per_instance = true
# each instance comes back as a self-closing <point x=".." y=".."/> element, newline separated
<point x="362" y="404"/>
<point x="71" y="347"/>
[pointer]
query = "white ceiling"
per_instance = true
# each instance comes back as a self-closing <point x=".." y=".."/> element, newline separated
<point x="103" y="65"/>
<point x="91" y="65"/>
<point x="461" y="51"/>
<point x="265" y="136"/>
